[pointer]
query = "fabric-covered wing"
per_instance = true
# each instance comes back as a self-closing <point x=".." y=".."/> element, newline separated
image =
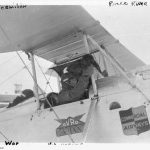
<point x="53" y="33"/>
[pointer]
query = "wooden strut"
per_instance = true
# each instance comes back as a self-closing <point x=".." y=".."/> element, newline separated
<point x="93" y="100"/>
<point x="36" y="91"/>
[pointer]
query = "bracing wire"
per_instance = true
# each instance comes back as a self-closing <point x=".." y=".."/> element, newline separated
<point x="4" y="136"/>
<point x="45" y="97"/>
<point x="48" y="81"/>
<point x="44" y="74"/>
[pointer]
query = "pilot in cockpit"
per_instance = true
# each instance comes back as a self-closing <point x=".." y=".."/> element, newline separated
<point x="76" y="80"/>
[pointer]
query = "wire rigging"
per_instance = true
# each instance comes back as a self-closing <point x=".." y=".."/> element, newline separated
<point x="51" y="108"/>
<point x="44" y="74"/>
<point x="4" y="136"/>
<point x="48" y="81"/>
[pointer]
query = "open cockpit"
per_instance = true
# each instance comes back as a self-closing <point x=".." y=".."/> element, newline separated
<point x="75" y="80"/>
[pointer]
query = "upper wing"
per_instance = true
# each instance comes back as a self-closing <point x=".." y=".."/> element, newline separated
<point x="53" y="33"/>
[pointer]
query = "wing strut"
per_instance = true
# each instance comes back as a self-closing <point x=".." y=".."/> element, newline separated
<point x="34" y="78"/>
<point x="93" y="99"/>
<point x="105" y="52"/>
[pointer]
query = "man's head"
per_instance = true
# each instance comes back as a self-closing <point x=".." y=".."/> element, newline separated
<point x="27" y="93"/>
<point x="87" y="60"/>
<point x="75" y="69"/>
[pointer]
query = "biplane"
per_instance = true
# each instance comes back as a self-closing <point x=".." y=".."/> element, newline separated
<point x="115" y="108"/>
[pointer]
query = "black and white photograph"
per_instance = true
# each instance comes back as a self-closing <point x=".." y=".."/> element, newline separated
<point x="74" y="73"/>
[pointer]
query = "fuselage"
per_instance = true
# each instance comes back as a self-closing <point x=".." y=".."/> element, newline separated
<point x="23" y="123"/>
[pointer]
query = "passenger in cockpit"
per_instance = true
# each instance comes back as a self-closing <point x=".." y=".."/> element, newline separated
<point x="26" y="94"/>
<point x="82" y="72"/>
